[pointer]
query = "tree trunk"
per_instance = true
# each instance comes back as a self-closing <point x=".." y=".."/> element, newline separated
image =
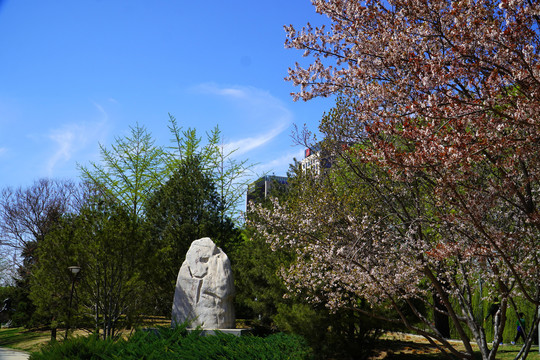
<point x="442" y="323"/>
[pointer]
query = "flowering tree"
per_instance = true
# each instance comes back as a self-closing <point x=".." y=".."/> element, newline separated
<point x="442" y="98"/>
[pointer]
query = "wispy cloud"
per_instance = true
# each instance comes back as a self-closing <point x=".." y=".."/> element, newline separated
<point x="250" y="96"/>
<point x="235" y="92"/>
<point x="64" y="139"/>
<point x="104" y="115"/>
<point x="279" y="165"/>
<point x="268" y="116"/>
<point x="71" y="139"/>
<point x="245" y="145"/>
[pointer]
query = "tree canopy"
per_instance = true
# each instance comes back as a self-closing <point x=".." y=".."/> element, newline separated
<point x="134" y="166"/>
<point x="130" y="170"/>
<point x="435" y="187"/>
<point x="103" y="242"/>
<point x="140" y="196"/>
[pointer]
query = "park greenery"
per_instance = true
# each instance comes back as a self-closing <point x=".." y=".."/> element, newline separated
<point x="178" y="343"/>
<point x="128" y="226"/>
<point x="424" y="217"/>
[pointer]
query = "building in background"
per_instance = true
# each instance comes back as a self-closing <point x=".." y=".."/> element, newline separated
<point x="261" y="188"/>
<point x="315" y="160"/>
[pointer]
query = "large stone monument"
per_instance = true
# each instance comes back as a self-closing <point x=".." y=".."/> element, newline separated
<point x="204" y="288"/>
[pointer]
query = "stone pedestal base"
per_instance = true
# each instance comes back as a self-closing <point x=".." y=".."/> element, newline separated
<point x="210" y="332"/>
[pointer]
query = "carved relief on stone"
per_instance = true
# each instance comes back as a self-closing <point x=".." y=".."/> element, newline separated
<point x="205" y="288"/>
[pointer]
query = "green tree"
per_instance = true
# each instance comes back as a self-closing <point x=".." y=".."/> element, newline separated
<point x="134" y="167"/>
<point x="134" y="170"/>
<point x="27" y="215"/>
<point x="230" y="175"/>
<point x="259" y="288"/>
<point x="111" y="281"/>
<point x="109" y="291"/>
<point x="184" y="209"/>
<point x="51" y="279"/>
<point x="130" y="170"/>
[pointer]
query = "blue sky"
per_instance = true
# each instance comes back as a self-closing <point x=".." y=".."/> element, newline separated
<point x="77" y="73"/>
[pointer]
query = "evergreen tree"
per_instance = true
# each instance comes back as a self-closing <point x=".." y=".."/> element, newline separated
<point x="27" y="215"/>
<point x="51" y="279"/>
<point x="109" y="292"/>
<point x="130" y="169"/>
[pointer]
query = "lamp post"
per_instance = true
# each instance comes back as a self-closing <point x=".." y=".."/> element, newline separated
<point x="74" y="271"/>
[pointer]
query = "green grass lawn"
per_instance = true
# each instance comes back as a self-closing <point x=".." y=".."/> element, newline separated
<point x="510" y="352"/>
<point x="22" y="339"/>
<point x="32" y="340"/>
<point x="504" y="354"/>
<point x="398" y="349"/>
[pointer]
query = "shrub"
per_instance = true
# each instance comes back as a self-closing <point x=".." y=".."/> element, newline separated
<point x="83" y="348"/>
<point x="178" y="343"/>
<point x="344" y="334"/>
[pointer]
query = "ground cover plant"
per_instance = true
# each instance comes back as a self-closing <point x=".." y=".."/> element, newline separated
<point x="178" y="343"/>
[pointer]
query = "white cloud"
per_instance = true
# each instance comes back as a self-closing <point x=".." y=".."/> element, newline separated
<point x="266" y="117"/>
<point x="71" y="139"/>
<point x="235" y="92"/>
<point x="245" y="145"/>
<point x="104" y="115"/>
<point x="279" y="165"/>
<point x="64" y="149"/>
<point x="67" y="141"/>
<point x="3" y="150"/>
<point x="250" y="96"/>
<point x="257" y="126"/>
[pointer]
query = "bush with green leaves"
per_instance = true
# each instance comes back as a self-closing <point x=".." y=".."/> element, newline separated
<point x="22" y="309"/>
<point x="178" y="343"/>
<point x="344" y="334"/>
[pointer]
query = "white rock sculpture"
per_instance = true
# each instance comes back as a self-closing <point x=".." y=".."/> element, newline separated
<point x="204" y="288"/>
